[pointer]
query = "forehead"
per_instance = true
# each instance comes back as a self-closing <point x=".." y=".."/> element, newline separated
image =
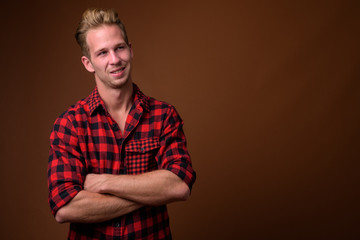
<point x="104" y="36"/>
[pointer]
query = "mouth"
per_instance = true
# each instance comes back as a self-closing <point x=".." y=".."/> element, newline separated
<point x="118" y="71"/>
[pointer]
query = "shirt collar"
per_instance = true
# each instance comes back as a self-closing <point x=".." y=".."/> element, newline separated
<point x="95" y="101"/>
<point x="140" y="99"/>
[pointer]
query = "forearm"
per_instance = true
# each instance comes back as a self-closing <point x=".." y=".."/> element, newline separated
<point x="152" y="188"/>
<point x="89" y="207"/>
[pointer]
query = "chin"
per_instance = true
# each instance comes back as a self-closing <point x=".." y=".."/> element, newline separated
<point x="113" y="83"/>
<point x="122" y="84"/>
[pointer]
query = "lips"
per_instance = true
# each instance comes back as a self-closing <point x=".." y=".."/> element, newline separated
<point x="117" y="71"/>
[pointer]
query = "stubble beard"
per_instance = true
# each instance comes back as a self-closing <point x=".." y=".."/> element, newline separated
<point x="114" y="83"/>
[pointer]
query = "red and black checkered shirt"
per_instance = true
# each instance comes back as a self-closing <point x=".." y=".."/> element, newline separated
<point x="85" y="139"/>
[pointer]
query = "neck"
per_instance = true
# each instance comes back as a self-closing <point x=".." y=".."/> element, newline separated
<point x="117" y="99"/>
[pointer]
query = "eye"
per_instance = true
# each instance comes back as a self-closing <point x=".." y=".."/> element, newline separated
<point x="101" y="53"/>
<point x="120" y="47"/>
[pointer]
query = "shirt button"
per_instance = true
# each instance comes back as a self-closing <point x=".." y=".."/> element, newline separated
<point x="117" y="224"/>
<point x="142" y="149"/>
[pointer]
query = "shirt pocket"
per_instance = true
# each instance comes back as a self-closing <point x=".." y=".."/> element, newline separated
<point x="140" y="155"/>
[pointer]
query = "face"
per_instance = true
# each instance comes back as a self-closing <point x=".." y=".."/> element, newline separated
<point x="110" y="57"/>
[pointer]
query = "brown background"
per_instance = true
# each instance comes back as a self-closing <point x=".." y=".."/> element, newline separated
<point x="269" y="91"/>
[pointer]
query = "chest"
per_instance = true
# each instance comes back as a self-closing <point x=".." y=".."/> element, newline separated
<point x="106" y="148"/>
<point x="120" y="119"/>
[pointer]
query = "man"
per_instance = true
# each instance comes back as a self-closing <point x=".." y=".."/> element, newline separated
<point x="117" y="157"/>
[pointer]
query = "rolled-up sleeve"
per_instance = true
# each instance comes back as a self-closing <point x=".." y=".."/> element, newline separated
<point x="65" y="165"/>
<point x="173" y="154"/>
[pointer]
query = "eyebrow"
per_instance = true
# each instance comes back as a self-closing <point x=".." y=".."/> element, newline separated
<point x="100" y="50"/>
<point x="105" y="49"/>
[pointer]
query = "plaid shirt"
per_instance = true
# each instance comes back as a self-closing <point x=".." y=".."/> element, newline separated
<point x="85" y="139"/>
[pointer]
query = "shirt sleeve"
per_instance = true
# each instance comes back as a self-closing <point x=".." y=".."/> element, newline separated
<point x="65" y="166"/>
<point x="173" y="154"/>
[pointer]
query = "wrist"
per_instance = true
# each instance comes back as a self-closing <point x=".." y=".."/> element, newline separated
<point x="102" y="183"/>
<point x="107" y="183"/>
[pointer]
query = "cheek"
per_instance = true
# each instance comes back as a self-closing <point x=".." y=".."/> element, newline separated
<point x="98" y="65"/>
<point x="126" y="57"/>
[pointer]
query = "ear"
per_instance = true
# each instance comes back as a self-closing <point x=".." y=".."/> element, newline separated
<point x="87" y="64"/>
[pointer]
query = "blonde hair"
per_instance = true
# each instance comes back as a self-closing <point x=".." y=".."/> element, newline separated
<point x="93" y="18"/>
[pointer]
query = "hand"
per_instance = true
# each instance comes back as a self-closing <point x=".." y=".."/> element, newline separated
<point x="93" y="182"/>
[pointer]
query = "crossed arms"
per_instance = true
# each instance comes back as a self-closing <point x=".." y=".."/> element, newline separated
<point x="107" y="196"/>
<point x="75" y="196"/>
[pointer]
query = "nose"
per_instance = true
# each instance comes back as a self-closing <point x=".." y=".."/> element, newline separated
<point x="114" y="58"/>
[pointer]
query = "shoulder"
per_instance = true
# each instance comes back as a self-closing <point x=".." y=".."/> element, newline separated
<point x="153" y="105"/>
<point x="73" y="114"/>
<point x="166" y="111"/>
<point x="162" y="107"/>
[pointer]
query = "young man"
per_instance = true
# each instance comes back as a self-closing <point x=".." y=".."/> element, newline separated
<point x="117" y="157"/>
